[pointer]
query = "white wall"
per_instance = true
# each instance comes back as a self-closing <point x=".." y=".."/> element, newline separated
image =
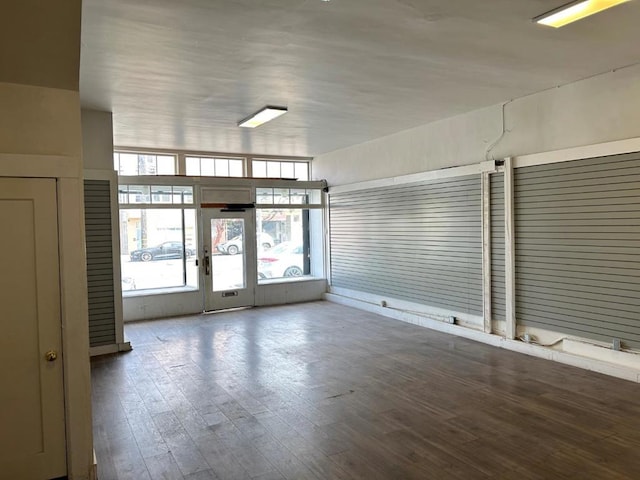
<point x="40" y="136"/>
<point x="149" y="307"/>
<point x="596" y="110"/>
<point x="602" y="112"/>
<point x="40" y="121"/>
<point x="97" y="140"/>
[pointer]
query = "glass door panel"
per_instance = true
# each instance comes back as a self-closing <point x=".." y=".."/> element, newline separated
<point x="229" y="258"/>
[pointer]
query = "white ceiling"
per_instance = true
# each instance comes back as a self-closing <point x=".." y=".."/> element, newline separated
<point x="182" y="73"/>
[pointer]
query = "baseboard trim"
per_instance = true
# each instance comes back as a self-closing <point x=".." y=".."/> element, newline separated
<point x="93" y="474"/>
<point x="594" y="365"/>
<point x="108" y="349"/>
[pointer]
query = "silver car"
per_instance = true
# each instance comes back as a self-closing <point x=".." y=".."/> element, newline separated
<point x="234" y="246"/>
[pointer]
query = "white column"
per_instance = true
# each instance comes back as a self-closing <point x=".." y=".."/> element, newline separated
<point x="509" y="245"/>
<point x="486" y="251"/>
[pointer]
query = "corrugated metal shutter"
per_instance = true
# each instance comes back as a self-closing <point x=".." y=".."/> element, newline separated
<point x="577" y="247"/>
<point x="418" y="242"/>
<point x="102" y="317"/>
<point x="498" y="305"/>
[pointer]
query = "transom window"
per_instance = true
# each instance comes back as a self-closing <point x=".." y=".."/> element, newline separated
<point x="136" y="164"/>
<point x="155" y="194"/>
<point x="280" y="169"/>
<point x="288" y="196"/>
<point x="214" y="167"/>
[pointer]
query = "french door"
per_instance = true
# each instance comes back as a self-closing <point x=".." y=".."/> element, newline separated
<point x="229" y="263"/>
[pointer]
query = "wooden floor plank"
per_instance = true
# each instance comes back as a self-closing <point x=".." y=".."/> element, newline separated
<point x="321" y="391"/>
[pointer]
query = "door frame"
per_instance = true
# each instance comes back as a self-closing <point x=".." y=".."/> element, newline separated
<point x="66" y="170"/>
<point x="236" y="297"/>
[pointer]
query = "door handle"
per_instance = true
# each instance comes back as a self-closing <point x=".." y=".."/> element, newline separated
<point x="51" y="356"/>
<point x="207" y="264"/>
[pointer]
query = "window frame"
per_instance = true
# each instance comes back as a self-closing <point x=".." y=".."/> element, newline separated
<point x="145" y="153"/>
<point x="280" y="160"/>
<point x="215" y="159"/>
<point x="151" y="181"/>
<point x="318" y="236"/>
<point x="173" y="288"/>
<point x="200" y="184"/>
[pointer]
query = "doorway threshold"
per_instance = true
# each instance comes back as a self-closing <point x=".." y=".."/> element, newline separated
<point x="232" y="309"/>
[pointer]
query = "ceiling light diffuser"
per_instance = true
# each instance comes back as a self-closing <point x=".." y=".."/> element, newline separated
<point x="264" y="115"/>
<point x="574" y="11"/>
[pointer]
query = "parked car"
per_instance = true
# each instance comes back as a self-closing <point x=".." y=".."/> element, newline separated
<point x="233" y="246"/>
<point x="164" y="251"/>
<point x="283" y="260"/>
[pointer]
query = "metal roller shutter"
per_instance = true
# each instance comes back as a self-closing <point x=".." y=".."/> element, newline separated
<point x="498" y="304"/>
<point x="577" y="228"/>
<point x="102" y="317"/>
<point x="419" y="242"/>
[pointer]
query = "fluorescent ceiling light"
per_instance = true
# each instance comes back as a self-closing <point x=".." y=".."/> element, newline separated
<point x="575" y="11"/>
<point x="262" y="116"/>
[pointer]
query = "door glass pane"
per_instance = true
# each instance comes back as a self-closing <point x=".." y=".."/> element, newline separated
<point x="228" y="254"/>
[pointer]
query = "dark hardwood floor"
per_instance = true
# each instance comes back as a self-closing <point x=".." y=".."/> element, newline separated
<point x="321" y="391"/>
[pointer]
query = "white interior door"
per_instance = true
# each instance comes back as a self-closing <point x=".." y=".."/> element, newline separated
<point x="32" y="427"/>
<point x="229" y="261"/>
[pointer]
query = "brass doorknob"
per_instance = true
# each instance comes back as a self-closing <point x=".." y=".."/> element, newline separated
<point x="51" y="356"/>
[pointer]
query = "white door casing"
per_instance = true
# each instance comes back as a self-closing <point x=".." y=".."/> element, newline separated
<point x="230" y="277"/>
<point x="32" y="419"/>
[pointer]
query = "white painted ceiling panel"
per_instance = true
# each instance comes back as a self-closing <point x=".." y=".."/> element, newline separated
<point x="181" y="74"/>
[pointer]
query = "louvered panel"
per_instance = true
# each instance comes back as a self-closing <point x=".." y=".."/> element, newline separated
<point x="577" y="228"/>
<point x="102" y="317"/>
<point x="420" y="242"/>
<point x="498" y="303"/>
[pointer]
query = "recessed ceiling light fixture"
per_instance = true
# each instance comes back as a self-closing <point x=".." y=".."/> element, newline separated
<point x="574" y="11"/>
<point x="264" y="115"/>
